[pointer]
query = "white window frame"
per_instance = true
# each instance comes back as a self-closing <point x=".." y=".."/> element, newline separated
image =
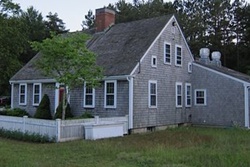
<point x="176" y="56"/>
<point x="35" y="94"/>
<point x="190" y="67"/>
<point x="85" y="94"/>
<point x="170" y="59"/>
<point x="188" y="96"/>
<point x="177" y="84"/>
<point x="114" y="94"/>
<point x="150" y="94"/>
<point x="152" y="61"/>
<point x="23" y="94"/>
<point x="205" y="97"/>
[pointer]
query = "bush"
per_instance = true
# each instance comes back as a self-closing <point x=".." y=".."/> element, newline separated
<point x="87" y="115"/>
<point x="43" y="110"/>
<point x="68" y="113"/>
<point x="16" y="112"/>
<point x="31" y="137"/>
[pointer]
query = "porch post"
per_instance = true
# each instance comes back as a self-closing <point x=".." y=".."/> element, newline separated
<point x="57" y="85"/>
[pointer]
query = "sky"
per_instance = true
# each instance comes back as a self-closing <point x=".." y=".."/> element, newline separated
<point x="72" y="12"/>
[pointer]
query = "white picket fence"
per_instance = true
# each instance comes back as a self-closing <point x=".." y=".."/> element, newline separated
<point x="61" y="130"/>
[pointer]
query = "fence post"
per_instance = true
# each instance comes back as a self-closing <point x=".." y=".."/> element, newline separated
<point x="58" y="130"/>
<point x="24" y="123"/>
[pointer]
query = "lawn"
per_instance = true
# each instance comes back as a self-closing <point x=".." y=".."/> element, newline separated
<point x="180" y="147"/>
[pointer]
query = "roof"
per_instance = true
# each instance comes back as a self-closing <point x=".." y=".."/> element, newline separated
<point x="118" y="49"/>
<point x="227" y="71"/>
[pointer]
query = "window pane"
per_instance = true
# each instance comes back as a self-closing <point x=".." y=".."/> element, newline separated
<point x="178" y="51"/>
<point x="179" y="89"/>
<point x="22" y="98"/>
<point x="179" y="100"/>
<point x="110" y="100"/>
<point x="88" y="100"/>
<point x="36" y="99"/>
<point x="22" y="89"/>
<point x="37" y="89"/>
<point x="152" y="88"/>
<point x="89" y="90"/>
<point x="153" y="100"/>
<point x="200" y="101"/>
<point x="167" y="53"/>
<point x="110" y="87"/>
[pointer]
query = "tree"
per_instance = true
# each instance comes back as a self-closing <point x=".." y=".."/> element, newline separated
<point x="55" y="24"/>
<point x="67" y="59"/>
<point x="89" y="21"/>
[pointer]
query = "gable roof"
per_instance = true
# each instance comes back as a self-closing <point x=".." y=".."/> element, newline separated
<point x="244" y="78"/>
<point x="118" y="49"/>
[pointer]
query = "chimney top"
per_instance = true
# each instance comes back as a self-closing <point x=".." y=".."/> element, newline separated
<point x="104" y="19"/>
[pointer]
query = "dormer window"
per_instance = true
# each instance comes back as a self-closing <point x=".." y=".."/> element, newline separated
<point x="154" y="61"/>
<point x="178" y="55"/>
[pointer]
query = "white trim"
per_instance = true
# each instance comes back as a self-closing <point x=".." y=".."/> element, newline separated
<point x="149" y="93"/>
<point x="34" y="81"/>
<point x="222" y="74"/>
<point x="118" y="77"/>
<point x="186" y="95"/>
<point x="12" y="96"/>
<point x="170" y="21"/>
<point x="175" y="53"/>
<point x="84" y="97"/>
<point x="176" y="94"/>
<point x="205" y="97"/>
<point x="40" y="93"/>
<point x="164" y="56"/>
<point x="131" y="102"/>
<point x="152" y="61"/>
<point x="57" y="85"/>
<point x="246" y="94"/>
<point x="25" y="94"/>
<point x="190" y="68"/>
<point x="115" y="93"/>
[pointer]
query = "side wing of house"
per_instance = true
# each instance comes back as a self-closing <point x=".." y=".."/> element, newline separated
<point x="27" y="95"/>
<point x="219" y="99"/>
<point x="162" y="85"/>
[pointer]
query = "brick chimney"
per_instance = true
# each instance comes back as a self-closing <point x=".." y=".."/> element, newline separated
<point x="104" y="18"/>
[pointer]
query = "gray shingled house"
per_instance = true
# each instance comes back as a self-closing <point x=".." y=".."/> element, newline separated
<point x="150" y="75"/>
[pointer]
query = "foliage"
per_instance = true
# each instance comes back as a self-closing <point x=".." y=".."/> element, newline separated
<point x="67" y="59"/>
<point x="180" y="147"/>
<point x="29" y="137"/>
<point x="43" y="110"/>
<point x="55" y="24"/>
<point x="89" y="21"/>
<point x="59" y="111"/>
<point x="16" y="112"/>
<point x="87" y="114"/>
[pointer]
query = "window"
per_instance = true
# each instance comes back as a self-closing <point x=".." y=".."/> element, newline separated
<point x="110" y="94"/>
<point x="152" y="94"/>
<point x="178" y="56"/>
<point x="154" y="61"/>
<point x="190" y="67"/>
<point x="200" y="97"/>
<point x="188" y="95"/>
<point x="89" y="96"/>
<point x="22" y="94"/>
<point x="167" y="53"/>
<point x="37" y="91"/>
<point x="178" y="94"/>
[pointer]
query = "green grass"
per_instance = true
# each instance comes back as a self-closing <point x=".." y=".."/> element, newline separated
<point x="181" y="147"/>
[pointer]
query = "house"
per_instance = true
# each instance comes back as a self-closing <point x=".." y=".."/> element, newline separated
<point x="150" y="75"/>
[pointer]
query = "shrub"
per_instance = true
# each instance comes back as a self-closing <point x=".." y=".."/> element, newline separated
<point x="87" y="115"/>
<point x="68" y="113"/>
<point x="43" y="110"/>
<point x="16" y="112"/>
<point x="31" y="137"/>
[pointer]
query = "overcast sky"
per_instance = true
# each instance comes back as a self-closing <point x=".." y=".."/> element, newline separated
<point x="72" y="12"/>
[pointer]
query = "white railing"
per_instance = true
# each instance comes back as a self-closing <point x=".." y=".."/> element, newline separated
<point x="61" y="130"/>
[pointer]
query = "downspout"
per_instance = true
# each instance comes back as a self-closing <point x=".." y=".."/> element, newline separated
<point x="12" y="96"/>
<point x="131" y="101"/>
<point x="246" y="93"/>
